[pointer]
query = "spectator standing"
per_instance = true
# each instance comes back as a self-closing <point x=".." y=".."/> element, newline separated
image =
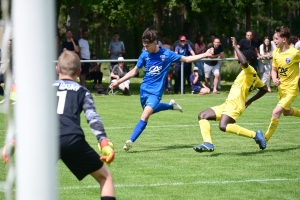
<point x="212" y="37"/>
<point x="248" y="44"/>
<point x="70" y="44"/>
<point x="199" y="49"/>
<point x="213" y="67"/>
<point x="167" y="44"/>
<point x="95" y="73"/>
<point x="266" y="51"/>
<point x="197" y="86"/>
<point x="116" y="48"/>
<point x="183" y="49"/>
<point x="297" y="45"/>
<point x="84" y="55"/>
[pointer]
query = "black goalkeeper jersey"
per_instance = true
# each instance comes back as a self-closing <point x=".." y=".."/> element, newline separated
<point x="72" y="99"/>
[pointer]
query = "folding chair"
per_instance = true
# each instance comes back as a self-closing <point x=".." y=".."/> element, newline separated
<point x="109" y="90"/>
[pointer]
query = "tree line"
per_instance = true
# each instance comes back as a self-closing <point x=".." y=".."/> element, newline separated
<point x="171" y="18"/>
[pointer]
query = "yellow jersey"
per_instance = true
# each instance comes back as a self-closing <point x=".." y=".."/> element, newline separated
<point x="287" y="64"/>
<point x="244" y="84"/>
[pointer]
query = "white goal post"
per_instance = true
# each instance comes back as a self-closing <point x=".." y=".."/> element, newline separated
<point x="35" y="113"/>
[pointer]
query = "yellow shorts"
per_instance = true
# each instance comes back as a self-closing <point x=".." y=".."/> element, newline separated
<point x="228" y="108"/>
<point x="286" y="98"/>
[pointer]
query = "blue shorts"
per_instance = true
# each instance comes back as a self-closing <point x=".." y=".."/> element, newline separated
<point x="197" y="89"/>
<point x="148" y="99"/>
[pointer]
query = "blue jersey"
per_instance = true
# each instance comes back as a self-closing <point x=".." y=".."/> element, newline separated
<point x="156" y="69"/>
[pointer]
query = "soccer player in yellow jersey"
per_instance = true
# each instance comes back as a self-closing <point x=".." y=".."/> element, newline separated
<point x="285" y="73"/>
<point x="235" y="104"/>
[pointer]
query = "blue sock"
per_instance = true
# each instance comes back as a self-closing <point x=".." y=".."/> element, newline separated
<point x="162" y="106"/>
<point x="138" y="130"/>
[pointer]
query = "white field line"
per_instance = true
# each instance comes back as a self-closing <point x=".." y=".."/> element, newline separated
<point x="196" y="124"/>
<point x="184" y="183"/>
<point x="189" y="125"/>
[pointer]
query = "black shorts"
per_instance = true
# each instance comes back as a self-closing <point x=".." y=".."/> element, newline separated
<point x="85" y="67"/>
<point x="79" y="156"/>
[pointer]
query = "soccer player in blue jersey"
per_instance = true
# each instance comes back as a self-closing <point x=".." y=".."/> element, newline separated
<point x="235" y="104"/>
<point x="285" y="74"/>
<point x="156" y="61"/>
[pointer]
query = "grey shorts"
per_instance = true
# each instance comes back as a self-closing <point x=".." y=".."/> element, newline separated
<point x="209" y="70"/>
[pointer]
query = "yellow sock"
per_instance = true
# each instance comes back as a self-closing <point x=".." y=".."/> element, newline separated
<point x="296" y="112"/>
<point x="272" y="127"/>
<point x="234" y="128"/>
<point x="205" y="130"/>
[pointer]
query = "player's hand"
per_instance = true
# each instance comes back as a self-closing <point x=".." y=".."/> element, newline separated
<point x="113" y="85"/>
<point x="209" y="52"/>
<point x="248" y="103"/>
<point x="233" y="41"/>
<point x="107" y="151"/>
<point x="276" y="81"/>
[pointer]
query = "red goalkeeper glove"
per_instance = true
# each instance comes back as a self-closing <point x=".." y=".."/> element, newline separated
<point x="106" y="148"/>
<point x="8" y="151"/>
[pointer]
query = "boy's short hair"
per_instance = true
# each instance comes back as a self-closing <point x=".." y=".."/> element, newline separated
<point x="250" y="56"/>
<point x="284" y="32"/>
<point x="149" y="36"/>
<point x="68" y="63"/>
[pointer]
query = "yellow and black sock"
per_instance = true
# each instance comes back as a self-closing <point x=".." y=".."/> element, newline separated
<point x="296" y="112"/>
<point x="272" y="127"/>
<point x="205" y="130"/>
<point x="234" y="128"/>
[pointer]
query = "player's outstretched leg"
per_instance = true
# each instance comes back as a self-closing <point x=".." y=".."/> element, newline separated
<point x="141" y="125"/>
<point x="175" y="105"/>
<point x="260" y="140"/>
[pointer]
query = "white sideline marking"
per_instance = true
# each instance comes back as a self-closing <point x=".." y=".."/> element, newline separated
<point x="182" y="183"/>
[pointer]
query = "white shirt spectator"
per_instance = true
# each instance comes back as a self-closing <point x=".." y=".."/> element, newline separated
<point x="297" y="45"/>
<point x="85" y="49"/>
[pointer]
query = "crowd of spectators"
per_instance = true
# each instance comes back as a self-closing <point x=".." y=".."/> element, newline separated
<point x="208" y="71"/>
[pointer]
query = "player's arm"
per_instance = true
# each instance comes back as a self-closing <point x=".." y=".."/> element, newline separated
<point x="189" y="59"/>
<point x="129" y="75"/>
<point x="97" y="127"/>
<point x="274" y="74"/>
<point x="261" y="92"/>
<point x="241" y="58"/>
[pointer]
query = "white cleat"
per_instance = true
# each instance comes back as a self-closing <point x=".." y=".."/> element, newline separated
<point x="175" y="105"/>
<point x="128" y="145"/>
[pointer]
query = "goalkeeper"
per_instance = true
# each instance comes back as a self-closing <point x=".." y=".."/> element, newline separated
<point x="235" y="104"/>
<point x="75" y="152"/>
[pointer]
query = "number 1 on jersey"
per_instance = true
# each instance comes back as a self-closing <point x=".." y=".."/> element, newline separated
<point x="61" y="101"/>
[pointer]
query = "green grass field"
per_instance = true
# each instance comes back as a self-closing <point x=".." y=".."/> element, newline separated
<point x="163" y="166"/>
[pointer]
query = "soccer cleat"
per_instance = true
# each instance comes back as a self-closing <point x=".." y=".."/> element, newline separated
<point x="260" y="140"/>
<point x="205" y="147"/>
<point x="128" y="145"/>
<point x="175" y="105"/>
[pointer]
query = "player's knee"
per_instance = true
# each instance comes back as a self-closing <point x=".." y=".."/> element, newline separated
<point x="222" y="127"/>
<point x="202" y="115"/>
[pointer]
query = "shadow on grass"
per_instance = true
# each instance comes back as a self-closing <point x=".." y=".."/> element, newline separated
<point x="164" y="148"/>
